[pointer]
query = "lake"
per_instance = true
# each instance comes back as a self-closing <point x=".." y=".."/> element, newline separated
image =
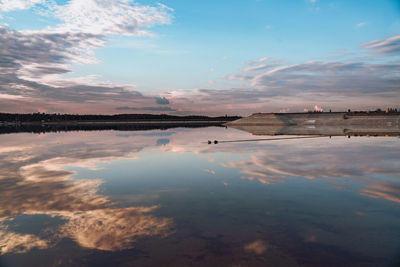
<point x="167" y="198"/>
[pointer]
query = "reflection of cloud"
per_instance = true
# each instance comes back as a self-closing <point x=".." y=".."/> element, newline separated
<point x="113" y="229"/>
<point x="44" y="194"/>
<point x="310" y="238"/>
<point x="320" y="159"/>
<point x="162" y="142"/>
<point x="387" y="190"/>
<point x="38" y="184"/>
<point x="11" y="242"/>
<point x="210" y="171"/>
<point x="257" y="247"/>
<point x="275" y="163"/>
<point x="9" y="149"/>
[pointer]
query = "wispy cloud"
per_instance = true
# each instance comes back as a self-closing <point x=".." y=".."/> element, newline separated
<point x="361" y="24"/>
<point x="276" y="166"/>
<point x="386" y="190"/>
<point x="330" y="77"/>
<point x="389" y="46"/>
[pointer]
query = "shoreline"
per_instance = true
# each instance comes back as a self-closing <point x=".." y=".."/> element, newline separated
<point x="53" y="127"/>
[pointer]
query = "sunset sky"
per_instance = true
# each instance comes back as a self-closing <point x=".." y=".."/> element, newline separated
<point x="206" y="57"/>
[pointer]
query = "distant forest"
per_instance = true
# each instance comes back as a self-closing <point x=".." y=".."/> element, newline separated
<point x="44" y="117"/>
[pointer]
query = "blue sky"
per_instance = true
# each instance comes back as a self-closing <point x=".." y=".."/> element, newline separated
<point x="194" y="50"/>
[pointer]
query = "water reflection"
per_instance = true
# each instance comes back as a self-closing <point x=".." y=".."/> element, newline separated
<point x="33" y="181"/>
<point x="113" y="229"/>
<point x="11" y="242"/>
<point x="168" y="196"/>
<point x="257" y="247"/>
<point x="321" y="158"/>
<point x="386" y="190"/>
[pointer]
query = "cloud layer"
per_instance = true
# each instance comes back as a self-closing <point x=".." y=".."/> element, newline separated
<point x="270" y="85"/>
<point x="30" y="69"/>
<point x="32" y="62"/>
<point x="33" y="65"/>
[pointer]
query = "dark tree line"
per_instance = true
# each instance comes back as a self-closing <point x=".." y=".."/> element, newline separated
<point x="15" y="117"/>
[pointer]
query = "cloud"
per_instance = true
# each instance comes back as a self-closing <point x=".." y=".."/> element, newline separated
<point x="335" y="85"/>
<point x="30" y="69"/>
<point x="32" y="62"/>
<point x="10" y="5"/>
<point x="262" y="64"/>
<point x="105" y="17"/>
<point x="32" y="65"/>
<point x="390" y="46"/>
<point x="361" y="24"/>
<point x="162" y="101"/>
<point x="339" y="77"/>
<point x="146" y="108"/>
<point x="23" y="50"/>
<point x="98" y="17"/>
<point x="270" y="84"/>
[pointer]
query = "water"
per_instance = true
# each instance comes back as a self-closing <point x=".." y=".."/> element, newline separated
<point x="166" y="198"/>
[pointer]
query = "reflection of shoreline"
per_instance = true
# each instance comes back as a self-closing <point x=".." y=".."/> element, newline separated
<point x="351" y="130"/>
<point x="328" y="124"/>
<point x="103" y="126"/>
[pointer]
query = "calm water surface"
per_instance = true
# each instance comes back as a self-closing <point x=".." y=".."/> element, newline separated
<point x="166" y="198"/>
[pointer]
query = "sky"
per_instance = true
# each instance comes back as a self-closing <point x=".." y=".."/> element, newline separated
<point x="180" y="57"/>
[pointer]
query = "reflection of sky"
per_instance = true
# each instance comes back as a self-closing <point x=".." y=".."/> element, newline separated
<point x="109" y="190"/>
